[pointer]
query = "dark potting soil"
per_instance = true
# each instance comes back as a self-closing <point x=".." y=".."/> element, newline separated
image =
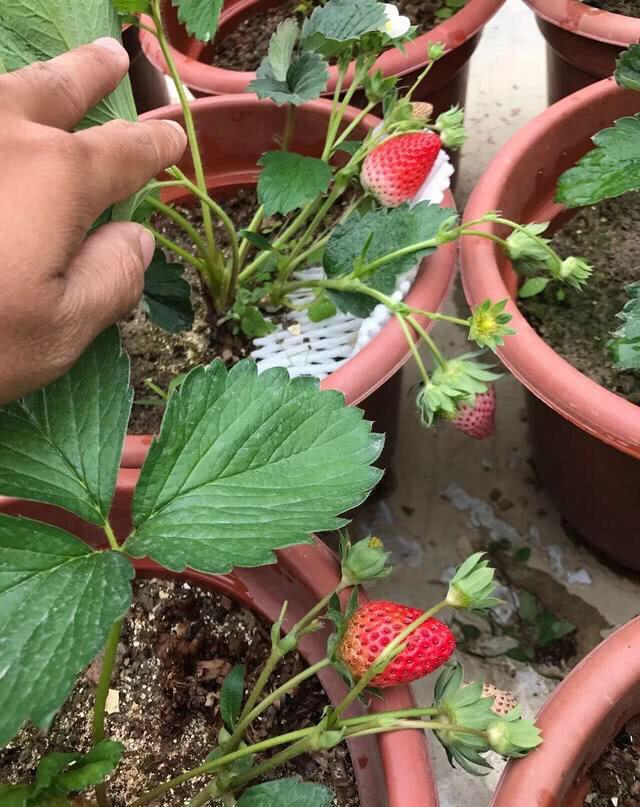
<point x="161" y="356"/>
<point x="628" y="8"/>
<point x="615" y="778"/>
<point x="579" y="327"/>
<point x="178" y="644"/>
<point x="245" y="47"/>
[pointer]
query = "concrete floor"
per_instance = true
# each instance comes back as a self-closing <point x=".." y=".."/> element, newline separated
<point x="454" y="495"/>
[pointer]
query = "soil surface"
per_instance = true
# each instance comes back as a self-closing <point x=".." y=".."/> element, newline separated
<point x="178" y="644"/>
<point x="579" y="327"/>
<point x="615" y="778"/>
<point x="161" y="356"/>
<point x="628" y="8"/>
<point x="246" y="46"/>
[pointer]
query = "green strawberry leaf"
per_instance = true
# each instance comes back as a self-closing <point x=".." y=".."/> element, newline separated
<point x="200" y="17"/>
<point x="16" y="795"/>
<point x="41" y="29"/>
<point x="625" y="345"/>
<point x="61" y="773"/>
<point x="281" y="48"/>
<point x="246" y="464"/>
<point x="374" y="235"/>
<point x="62" y="444"/>
<point x="58" y="600"/>
<point x="533" y="286"/>
<point x="336" y="26"/>
<point x="167" y="295"/>
<point x="286" y="793"/>
<point x="306" y="80"/>
<point x="609" y="170"/>
<point x="288" y="181"/>
<point x="320" y="309"/>
<point x="628" y="68"/>
<point x="256" y="240"/>
<point x="253" y="322"/>
<point x="128" y="7"/>
<point x="231" y="696"/>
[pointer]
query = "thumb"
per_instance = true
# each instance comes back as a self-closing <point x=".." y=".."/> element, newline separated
<point x="105" y="280"/>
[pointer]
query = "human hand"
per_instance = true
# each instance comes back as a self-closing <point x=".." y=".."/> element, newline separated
<point x="60" y="289"/>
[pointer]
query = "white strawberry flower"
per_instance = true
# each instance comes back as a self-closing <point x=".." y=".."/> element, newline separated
<point x="397" y="24"/>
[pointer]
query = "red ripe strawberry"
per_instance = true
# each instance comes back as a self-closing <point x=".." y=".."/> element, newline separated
<point x="374" y="625"/>
<point x="396" y="169"/>
<point x="479" y="420"/>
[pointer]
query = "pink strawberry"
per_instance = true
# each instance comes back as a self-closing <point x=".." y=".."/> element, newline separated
<point x="377" y="623"/>
<point x="479" y="420"/>
<point x="396" y="169"/>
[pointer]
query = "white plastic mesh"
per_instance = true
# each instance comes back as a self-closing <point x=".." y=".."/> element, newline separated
<point x="319" y="348"/>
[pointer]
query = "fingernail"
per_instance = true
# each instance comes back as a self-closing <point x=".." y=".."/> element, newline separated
<point x="147" y="245"/>
<point x="111" y="44"/>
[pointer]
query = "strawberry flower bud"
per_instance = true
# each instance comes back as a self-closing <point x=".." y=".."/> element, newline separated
<point x="365" y="560"/>
<point x="472" y="586"/>
<point x="527" y="253"/>
<point x="436" y="51"/>
<point x="575" y="272"/>
<point x="451" y="128"/>
<point x="396" y="25"/>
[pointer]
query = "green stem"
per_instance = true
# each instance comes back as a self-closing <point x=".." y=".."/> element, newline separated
<point x="399" y="253"/>
<point x="155" y="388"/>
<point x="345" y="134"/>
<point x="182" y="222"/>
<point x="111" y="536"/>
<point x="427" y="339"/>
<point x="294" y="750"/>
<point x="335" y="105"/>
<point x="217" y="280"/>
<point x="177" y="249"/>
<point x="483" y="234"/>
<point x="289" y="127"/>
<point x="385" y="657"/>
<point x="414" y="348"/>
<point x="220" y="762"/>
<point x="418" y="711"/>
<point x="555" y="258"/>
<point x="419" y="80"/>
<point x="102" y="691"/>
<point x="253" y="227"/>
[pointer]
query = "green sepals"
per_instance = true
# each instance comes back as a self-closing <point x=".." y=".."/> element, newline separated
<point x="365" y="560"/>
<point x="200" y="17"/>
<point x="321" y="309"/>
<point x="458" y="382"/>
<point x="512" y="735"/>
<point x="450" y="124"/>
<point x="60" y="774"/>
<point x="340" y="619"/>
<point x="231" y="695"/>
<point x="462" y="704"/>
<point x="488" y="324"/>
<point x="334" y="28"/>
<point x="526" y="248"/>
<point x="377" y="87"/>
<point x="288" y="181"/>
<point x="609" y="170"/>
<point x="306" y="80"/>
<point x="436" y="50"/>
<point x="575" y="271"/>
<point x="625" y="345"/>
<point x="286" y="793"/>
<point x="167" y="295"/>
<point x="628" y="68"/>
<point x="472" y="587"/>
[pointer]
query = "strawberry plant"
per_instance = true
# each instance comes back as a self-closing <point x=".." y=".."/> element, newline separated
<point x="380" y="184"/>
<point x="244" y="464"/>
<point x="610" y="170"/>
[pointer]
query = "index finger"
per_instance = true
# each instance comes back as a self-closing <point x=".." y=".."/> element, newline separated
<point x="60" y="91"/>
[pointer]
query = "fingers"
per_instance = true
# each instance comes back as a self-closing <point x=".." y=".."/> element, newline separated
<point x="121" y="156"/>
<point x="59" y="92"/>
<point x="105" y="280"/>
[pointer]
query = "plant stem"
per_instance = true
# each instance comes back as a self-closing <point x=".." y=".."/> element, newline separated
<point x="216" y="279"/>
<point x="555" y="258"/>
<point x="111" y="536"/>
<point x="294" y="750"/>
<point x="182" y="222"/>
<point x="253" y="227"/>
<point x="414" y="348"/>
<point x="289" y="127"/>
<point x="345" y="134"/>
<point x="385" y="657"/>
<point x="256" y="711"/>
<point x="426" y="338"/>
<point x="419" y="80"/>
<point x="108" y="663"/>
<point x="399" y="253"/>
<point x="173" y="247"/>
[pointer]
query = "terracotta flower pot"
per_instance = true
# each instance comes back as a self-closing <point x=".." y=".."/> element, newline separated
<point x="391" y="770"/>
<point x="578" y="722"/>
<point x="148" y="84"/>
<point x="234" y="131"/>
<point x="586" y="440"/>
<point x="446" y="84"/>
<point x="583" y="43"/>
